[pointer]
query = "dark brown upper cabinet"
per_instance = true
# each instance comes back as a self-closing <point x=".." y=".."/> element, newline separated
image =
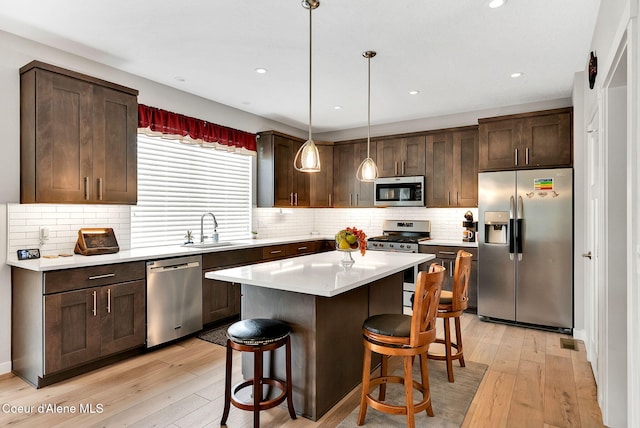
<point x="526" y="141"/>
<point x="78" y="138"/>
<point x="279" y="184"/>
<point x="401" y="156"/>
<point x="321" y="183"/>
<point x="347" y="190"/>
<point x="452" y="168"/>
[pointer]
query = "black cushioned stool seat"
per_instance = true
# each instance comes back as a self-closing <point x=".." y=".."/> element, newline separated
<point x="395" y="325"/>
<point x="258" y="336"/>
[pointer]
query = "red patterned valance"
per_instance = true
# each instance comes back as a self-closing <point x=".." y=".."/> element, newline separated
<point x="155" y="121"/>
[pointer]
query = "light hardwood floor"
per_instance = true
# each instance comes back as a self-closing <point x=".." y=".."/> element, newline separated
<point x="530" y="382"/>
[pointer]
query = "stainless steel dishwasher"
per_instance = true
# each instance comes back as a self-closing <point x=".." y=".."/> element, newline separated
<point x="174" y="298"/>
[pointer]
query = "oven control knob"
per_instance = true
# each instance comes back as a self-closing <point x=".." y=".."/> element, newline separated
<point x="390" y="245"/>
<point x="401" y="245"/>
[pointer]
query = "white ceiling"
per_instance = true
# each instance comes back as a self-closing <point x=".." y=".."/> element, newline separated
<point x="458" y="53"/>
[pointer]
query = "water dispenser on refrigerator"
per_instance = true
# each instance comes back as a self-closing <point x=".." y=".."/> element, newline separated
<point x="496" y="226"/>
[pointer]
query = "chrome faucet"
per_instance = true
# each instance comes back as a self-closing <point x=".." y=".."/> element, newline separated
<point x="214" y="235"/>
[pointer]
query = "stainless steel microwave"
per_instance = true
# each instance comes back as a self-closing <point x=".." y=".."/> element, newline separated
<point x="399" y="191"/>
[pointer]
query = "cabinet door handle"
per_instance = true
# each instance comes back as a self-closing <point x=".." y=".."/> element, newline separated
<point x="95" y="303"/>
<point x="526" y="156"/>
<point x="86" y="188"/>
<point x="516" y="158"/>
<point x="452" y="253"/>
<point x="108" y="300"/>
<point x="302" y="248"/>
<point x="404" y="164"/>
<point x="451" y="269"/>
<point x="395" y="169"/>
<point x="275" y="251"/>
<point x="457" y="198"/>
<point x="329" y="199"/>
<point x="100" y="188"/>
<point x="449" y="198"/>
<point x="295" y="199"/>
<point x="106" y="275"/>
<point x="291" y="198"/>
<point x="350" y="199"/>
<point x="357" y="199"/>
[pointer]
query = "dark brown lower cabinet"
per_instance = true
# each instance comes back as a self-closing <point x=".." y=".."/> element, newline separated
<point x="123" y="318"/>
<point x="70" y="329"/>
<point x="220" y="299"/>
<point x="69" y="321"/>
<point x="83" y="325"/>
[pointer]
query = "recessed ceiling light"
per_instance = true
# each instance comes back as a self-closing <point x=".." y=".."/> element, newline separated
<point x="414" y="92"/>
<point x="179" y="79"/>
<point x="261" y="70"/>
<point x="337" y="107"/>
<point x="517" y="74"/>
<point x="496" y="3"/>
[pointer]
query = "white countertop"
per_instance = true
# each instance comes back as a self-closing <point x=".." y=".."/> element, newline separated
<point x="321" y="274"/>
<point x="151" y="253"/>
<point x="449" y="242"/>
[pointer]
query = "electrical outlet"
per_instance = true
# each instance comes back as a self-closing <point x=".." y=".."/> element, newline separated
<point x="44" y="235"/>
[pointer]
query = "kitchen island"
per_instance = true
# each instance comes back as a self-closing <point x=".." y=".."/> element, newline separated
<point x="325" y="304"/>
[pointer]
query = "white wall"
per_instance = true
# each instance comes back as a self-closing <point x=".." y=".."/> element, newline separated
<point x="440" y="122"/>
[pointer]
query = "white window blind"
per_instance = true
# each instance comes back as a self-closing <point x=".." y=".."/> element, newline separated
<point x="178" y="183"/>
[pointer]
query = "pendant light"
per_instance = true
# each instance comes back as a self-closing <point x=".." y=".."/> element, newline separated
<point x="368" y="171"/>
<point x="308" y="153"/>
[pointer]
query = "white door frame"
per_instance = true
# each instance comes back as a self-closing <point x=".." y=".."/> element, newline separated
<point x="592" y="258"/>
<point x="618" y="110"/>
<point x="633" y="212"/>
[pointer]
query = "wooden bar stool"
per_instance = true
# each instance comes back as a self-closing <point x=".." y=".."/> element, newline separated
<point x="452" y="305"/>
<point x="258" y="336"/>
<point x="405" y="336"/>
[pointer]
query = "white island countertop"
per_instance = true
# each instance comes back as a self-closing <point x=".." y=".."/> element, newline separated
<point x="321" y="274"/>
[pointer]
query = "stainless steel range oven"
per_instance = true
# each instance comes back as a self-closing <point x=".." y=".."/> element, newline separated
<point x="403" y="236"/>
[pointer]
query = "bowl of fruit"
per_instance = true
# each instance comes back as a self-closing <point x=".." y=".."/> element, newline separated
<point x="349" y="240"/>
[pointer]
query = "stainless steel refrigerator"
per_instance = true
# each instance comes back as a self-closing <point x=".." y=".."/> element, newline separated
<point x="525" y="247"/>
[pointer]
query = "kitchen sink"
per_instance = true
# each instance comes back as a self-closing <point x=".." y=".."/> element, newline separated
<point x="207" y="244"/>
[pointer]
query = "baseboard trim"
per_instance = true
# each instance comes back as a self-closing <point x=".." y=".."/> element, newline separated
<point x="5" y="367"/>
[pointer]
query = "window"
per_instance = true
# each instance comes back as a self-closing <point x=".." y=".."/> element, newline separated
<point x="178" y="183"/>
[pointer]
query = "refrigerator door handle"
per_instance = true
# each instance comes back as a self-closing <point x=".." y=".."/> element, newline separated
<point x="519" y="228"/>
<point x="511" y="230"/>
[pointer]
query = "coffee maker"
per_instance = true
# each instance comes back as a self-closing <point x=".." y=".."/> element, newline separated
<point x="470" y="228"/>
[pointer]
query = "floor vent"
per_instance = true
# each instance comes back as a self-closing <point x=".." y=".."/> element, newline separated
<point x="571" y="344"/>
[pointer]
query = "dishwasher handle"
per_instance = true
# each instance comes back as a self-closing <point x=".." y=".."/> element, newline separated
<point x="170" y="268"/>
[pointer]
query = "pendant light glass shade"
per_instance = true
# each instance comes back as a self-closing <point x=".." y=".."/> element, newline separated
<point x="308" y="158"/>
<point x="368" y="171"/>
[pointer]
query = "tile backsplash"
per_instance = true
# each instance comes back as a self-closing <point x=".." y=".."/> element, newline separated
<point x="63" y="222"/>
<point x="446" y="223"/>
